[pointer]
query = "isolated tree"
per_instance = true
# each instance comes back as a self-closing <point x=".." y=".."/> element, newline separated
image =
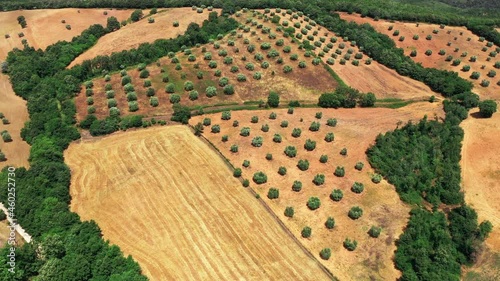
<point x="357" y="187"/>
<point x="325" y="253"/>
<point x="374" y="231"/>
<point x="289" y="212"/>
<point x="350" y="244"/>
<point x="273" y="193"/>
<point x="273" y="99"/>
<point x="303" y="165"/>
<point x="355" y="212"/>
<point x="136" y="15"/>
<point x="330" y="223"/>
<point x="336" y="195"/>
<point x="313" y="203"/>
<point x="259" y="178"/>
<point x="291" y="151"/>
<point x="112" y="24"/>
<point x="306" y="232"/>
<point x="367" y="100"/>
<point x="487" y="108"/>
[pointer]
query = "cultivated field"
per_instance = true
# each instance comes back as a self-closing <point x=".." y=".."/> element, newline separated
<point x="457" y="42"/>
<point x="44" y="27"/>
<point x="356" y="130"/>
<point x="375" y="78"/>
<point x="481" y="183"/>
<point x="132" y="35"/>
<point x="169" y="201"/>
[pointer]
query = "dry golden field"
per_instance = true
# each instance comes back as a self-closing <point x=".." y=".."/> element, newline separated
<point x="167" y="199"/>
<point x="463" y="44"/>
<point x="356" y="130"/>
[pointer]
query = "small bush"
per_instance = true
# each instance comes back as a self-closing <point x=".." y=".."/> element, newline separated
<point x="290" y="151"/>
<point x="359" y="166"/>
<point x="350" y="245"/>
<point x="355" y="212"/>
<point x="313" y="203"/>
<point x="215" y="129"/>
<point x="336" y="195"/>
<point x="375" y="231"/>
<point x="306" y="232"/>
<point x="325" y="253"/>
<point x="260" y="178"/>
<point x="339" y="171"/>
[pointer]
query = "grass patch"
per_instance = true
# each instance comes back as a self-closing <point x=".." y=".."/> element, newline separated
<point x="393" y="105"/>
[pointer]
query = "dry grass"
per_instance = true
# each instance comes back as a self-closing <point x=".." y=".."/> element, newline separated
<point x="356" y="130"/>
<point x="132" y="35"/>
<point x="168" y="200"/>
<point x="481" y="176"/>
<point x="439" y="41"/>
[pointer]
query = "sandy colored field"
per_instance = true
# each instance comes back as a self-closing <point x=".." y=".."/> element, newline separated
<point x="168" y="200"/>
<point x="375" y="78"/>
<point x="356" y="130"/>
<point x="45" y="27"/>
<point x="132" y="35"/>
<point x="5" y="233"/>
<point x="14" y="109"/>
<point x="481" y="181"/>
<point x="457" y="36"/>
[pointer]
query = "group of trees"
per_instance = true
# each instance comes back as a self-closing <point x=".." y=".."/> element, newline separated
<point x="346" y="97"/>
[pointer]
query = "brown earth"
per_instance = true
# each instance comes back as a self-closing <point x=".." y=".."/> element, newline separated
<point x="481" y="183"/>
<point x="132" y="35"/>
<point x="375" y="78"/>
<point x="167" y="199"/>
<point x="356" y="130"/>
<point x="456" y="35"/>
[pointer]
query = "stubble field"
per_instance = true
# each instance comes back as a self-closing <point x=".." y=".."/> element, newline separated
<point x="168" y="200"/>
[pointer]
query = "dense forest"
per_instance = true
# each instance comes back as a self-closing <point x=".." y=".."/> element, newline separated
<point x="71" y="249"/>
<point x="421" y="160"/>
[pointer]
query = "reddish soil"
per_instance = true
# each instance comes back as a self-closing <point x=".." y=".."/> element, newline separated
<point x="456" y="36"/>
<point x="356" y="130"/>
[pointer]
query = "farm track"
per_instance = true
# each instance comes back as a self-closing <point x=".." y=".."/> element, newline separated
<point x="203" y="224"/>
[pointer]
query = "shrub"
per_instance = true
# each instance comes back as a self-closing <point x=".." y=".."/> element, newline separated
<point x="306" y="232"/>
<point x="336" y="195"/>
<point x="319" y="179"/>
<point x="264" y="128"/>
<point x="273" y="193"/>
<point x="475" y="75"/>
<point x="374" y="231"/>
<point x="237" y="172"/>
<point x="303" y="165"/>
<point x="310" y="145"/>
<point x="257" y="141"/>
<point x="357" y="187"/>
<point x="255" y="119"/>
<point x="428" y="52"/>
<point x="269" y="156"/>
<point x="350" y="245"/>
<point x="359" y="166"/>
<point x="208" y="122"/>
<point x="133" y="106"/>
<point x="376" y="178"/>
<point x="290" y="151"/>
<point x="277" y="138"/>
<point x="289" y="212"/>
<point x="260" y="178"/>
<point x="329" y="137"/>
<point x="325" y="253"/>
<point x="487" y="108"/>
<point x="287" y="69"/>
<point x="245" y="132"/>
<point x="226" y="115"/>
<point x="313" y="203"/>
<point x="339" y="171"/>
<point x="355" y="212"/>
<point x="284" y="124"/>
<point x="228" y="89"/>
<point x="175" y="98"/>
<point x="314" y="127"/>
<point x="296" y="186"/>
<point x="153" y="101"/>
<point x="234" y="148"/>
<point x="257" y="75"/>
<point x="225" y="138"/>
<point x="211" y="91"/>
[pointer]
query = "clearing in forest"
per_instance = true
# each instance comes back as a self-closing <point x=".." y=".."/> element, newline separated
<point x="445" y="47"/>
<point x="166" y="198"/>
<point x="356" y="131"/>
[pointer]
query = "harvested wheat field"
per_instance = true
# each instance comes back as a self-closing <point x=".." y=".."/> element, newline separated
<point x="167" y="199"/>
<point x="457" y="42"/>
<point x="372" y="77"/>
<point x="356" y="130"/>
<point x="45" y="27"/>
<point x="132" y="35"/>
<point x="14" y="110"/>
<point x="481" y="182"/>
